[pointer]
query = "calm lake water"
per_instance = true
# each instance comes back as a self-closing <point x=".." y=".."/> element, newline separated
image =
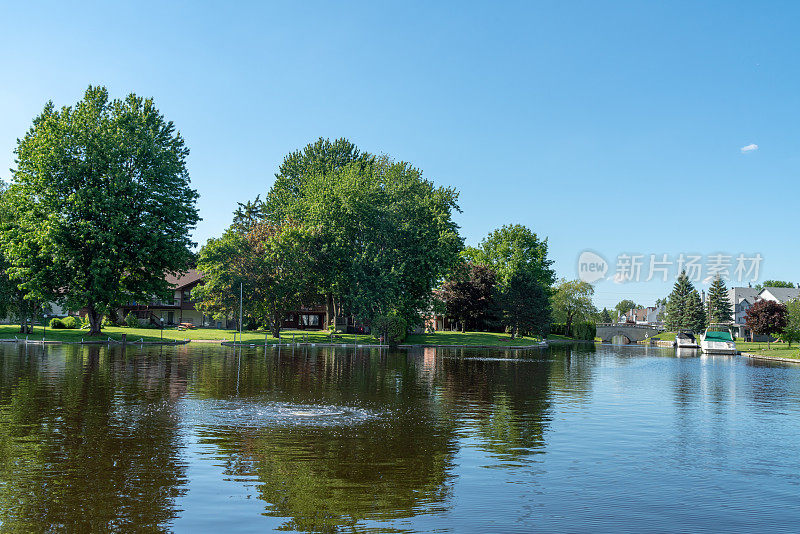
<point x="572" y="438"/>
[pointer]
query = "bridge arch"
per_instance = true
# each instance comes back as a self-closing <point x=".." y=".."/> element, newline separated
<point x="633" y="332"/>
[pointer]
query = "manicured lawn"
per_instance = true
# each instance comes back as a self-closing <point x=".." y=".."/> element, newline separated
<point x="777" y="350"/>
<point x="490" y="339"/>
<point x="665" y="336"/>
<point x="173" y="334"/>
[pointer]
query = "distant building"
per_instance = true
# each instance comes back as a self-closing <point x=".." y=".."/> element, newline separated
<point x="650" y="315"/>
<point x="779" y="294"/>
<point x="179" y="310"/>
<point x="743" y="298"/>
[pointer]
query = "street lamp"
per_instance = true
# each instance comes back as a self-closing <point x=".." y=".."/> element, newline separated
<point x="162" y="327"/>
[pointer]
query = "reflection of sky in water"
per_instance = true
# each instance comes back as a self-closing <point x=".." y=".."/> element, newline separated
<point x="246" y="413"/>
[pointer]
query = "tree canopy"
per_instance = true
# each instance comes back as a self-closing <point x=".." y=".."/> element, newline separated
<point x="766" y="317"/>
<point x="572" y="302"/>
<point x="101" y="203"/>
<point x="468" y="293"/>
<point x="524" y="276"/>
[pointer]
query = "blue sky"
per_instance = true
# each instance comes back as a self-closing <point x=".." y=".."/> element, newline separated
<point x="615" y="127"/>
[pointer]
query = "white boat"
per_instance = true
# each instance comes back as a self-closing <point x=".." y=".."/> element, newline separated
<point x="686" y="340"/>
<point x="718" y="339"/>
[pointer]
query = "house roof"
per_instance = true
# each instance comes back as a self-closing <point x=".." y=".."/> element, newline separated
<point x="783" y="294"/>
<point x="736" y="294"/>
<point x="188" y="278"/>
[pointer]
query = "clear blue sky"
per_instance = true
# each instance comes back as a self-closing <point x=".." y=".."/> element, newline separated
<point x="613" y="126"/>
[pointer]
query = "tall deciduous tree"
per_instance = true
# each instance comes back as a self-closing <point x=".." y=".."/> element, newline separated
<point x="524" y="271"/>
<point x="468" y="293"/>
<point x="766" y="317"/>
<point x="719" y="306"/>
<point x="271" y="265"/>
<point x="101" y="196"/>
<point x="791" y="332"/>
<point x="385" y="235"/>
<point x="572" y="302"/>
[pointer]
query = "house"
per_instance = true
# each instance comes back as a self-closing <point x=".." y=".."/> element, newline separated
<point x="648" y="315"/>
<point x="179" y="310"/>
<point x="742" y="298"/>
<point x="779" y="294"/>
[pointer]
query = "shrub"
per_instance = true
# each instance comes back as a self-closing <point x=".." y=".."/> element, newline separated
<point x="71" y="322"/>
<point x="57" y="324"/>
<point x="132" y="321"/>
<point x="394" y="328"/>
<point x="585" y="331"/>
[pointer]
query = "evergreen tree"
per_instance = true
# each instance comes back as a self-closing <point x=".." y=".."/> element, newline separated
<point x="719" y="307"/>
<point x="696" y="313"/>
<point x="605" y="317"/>
<point x="678" y="316"/>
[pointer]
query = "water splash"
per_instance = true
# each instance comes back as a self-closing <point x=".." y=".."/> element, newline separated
<point x="247" y="413"/>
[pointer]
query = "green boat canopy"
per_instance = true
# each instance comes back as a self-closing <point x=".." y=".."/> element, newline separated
<point x="718" y="336"/>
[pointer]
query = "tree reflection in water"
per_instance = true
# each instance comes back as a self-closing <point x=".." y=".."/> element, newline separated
<point x="88" y="441"/>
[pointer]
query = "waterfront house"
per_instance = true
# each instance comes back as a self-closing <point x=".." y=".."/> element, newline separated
<point x="179" y="310"/>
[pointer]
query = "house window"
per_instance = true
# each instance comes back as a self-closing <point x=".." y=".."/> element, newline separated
<point x="187" y="295"/>
<point x="309" y="320"/>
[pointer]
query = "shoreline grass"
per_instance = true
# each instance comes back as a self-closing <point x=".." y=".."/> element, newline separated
<point x="493" y="339"/>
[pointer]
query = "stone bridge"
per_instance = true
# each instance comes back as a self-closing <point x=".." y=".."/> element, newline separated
<point x="633" y="332"/>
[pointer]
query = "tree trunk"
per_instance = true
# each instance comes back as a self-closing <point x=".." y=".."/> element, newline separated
<point x="276" y="326"/>
<point x="95" y="320"/>
<point x="569" y="326"/>
<point x="329" y="312"/>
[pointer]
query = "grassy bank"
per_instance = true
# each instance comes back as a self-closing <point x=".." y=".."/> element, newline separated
<point x="172" y="334"/>
<point x="311" y="336"/>
<point x="776" y="350"/>
<point x="488" y="339"/>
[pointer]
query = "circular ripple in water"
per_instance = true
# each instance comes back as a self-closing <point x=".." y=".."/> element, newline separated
<point x="250" y="413"/>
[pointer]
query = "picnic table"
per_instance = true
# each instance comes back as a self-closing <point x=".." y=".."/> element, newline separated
<point x="186" y="326"/>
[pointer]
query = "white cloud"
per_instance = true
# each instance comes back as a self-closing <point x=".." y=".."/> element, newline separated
<point x="749" y="148"/>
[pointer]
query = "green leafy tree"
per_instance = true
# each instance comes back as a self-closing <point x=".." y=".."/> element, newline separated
<point x="468" y="293"/>
<point x="525" y="305"/>
<point x="625" y="306"/>
<point x="385" y="237"/>
<point x="774" y="283"/>
<point x="101" y="196"/>
<point x="766" y="317"/>
<point x="302" y="175"/>
<point x="270" y="265"/>
<point x="524" y="271"/>
<point x="719" y="306"/>
<point x="678" y="311"/>
<point x="605" y="316"/>
<point x="572" y="302"/>
<point x="791" y="332"/>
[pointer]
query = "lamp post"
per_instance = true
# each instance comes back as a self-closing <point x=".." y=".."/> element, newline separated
<point x="162" y="326"/>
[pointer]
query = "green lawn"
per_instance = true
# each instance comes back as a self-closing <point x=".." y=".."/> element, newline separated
<point x="665" y="336"/>
<point x="777" y="350"/>
<point x="173" y="334"/>
<point x="489" y="339"/>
